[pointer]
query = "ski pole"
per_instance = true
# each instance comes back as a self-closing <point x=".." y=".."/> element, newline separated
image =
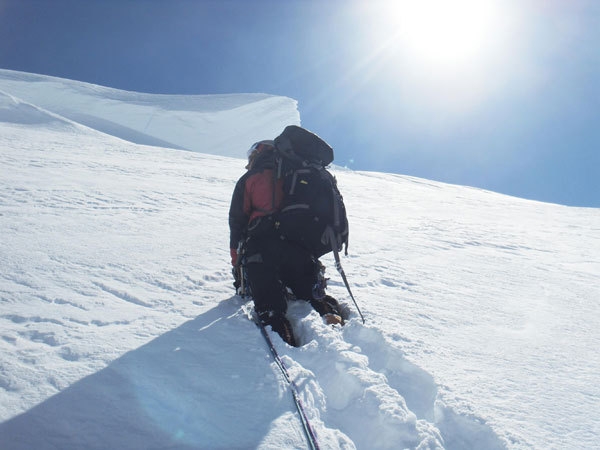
<point x="308" y="431"/>
<point x="340" y="269"/>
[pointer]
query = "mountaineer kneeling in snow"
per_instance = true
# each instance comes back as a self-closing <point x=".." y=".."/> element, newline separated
<point x="271" y="262"/>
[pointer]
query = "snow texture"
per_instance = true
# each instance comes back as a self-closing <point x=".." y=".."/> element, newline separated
<point x="119" y="327"/>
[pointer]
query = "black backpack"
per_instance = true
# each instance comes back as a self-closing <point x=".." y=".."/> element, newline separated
<point x="313" y="212"/>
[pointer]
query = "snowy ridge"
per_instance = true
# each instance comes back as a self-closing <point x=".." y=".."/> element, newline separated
<point x="199" y="123"/>
<point x="14" y="110"/>
<point x="119" y="328"/>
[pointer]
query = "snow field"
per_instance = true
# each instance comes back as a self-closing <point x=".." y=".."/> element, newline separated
<point x="119" y="327"/>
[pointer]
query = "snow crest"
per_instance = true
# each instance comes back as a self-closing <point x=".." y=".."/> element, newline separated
<point x="216" y="124"/>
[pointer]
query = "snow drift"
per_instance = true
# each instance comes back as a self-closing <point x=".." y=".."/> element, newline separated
<point x="119" y="327"/>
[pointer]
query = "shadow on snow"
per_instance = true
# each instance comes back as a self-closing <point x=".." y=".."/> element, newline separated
<point x="163" y="395"/>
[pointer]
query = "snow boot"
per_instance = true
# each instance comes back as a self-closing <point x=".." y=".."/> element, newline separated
<point x="280" y="325"/>
<point x="333" y="319"/>
<point x="329" y="309"/>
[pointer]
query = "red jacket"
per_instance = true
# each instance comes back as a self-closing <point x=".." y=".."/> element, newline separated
<point x="253" y="197"/>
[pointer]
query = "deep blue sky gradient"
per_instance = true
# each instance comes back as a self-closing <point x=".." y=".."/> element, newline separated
<point x="534" y="131"/>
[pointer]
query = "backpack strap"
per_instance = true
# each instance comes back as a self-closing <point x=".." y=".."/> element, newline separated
<point x="337" y="213"/>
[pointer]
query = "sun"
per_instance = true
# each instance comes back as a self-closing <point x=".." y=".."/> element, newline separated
<point x="443" y="33"/>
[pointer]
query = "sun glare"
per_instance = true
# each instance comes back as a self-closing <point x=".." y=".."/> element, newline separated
<point x="443" y="32"/>
<point x="438" y="58"/>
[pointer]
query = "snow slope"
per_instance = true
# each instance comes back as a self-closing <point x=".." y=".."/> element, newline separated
<point x="119" y="327"/>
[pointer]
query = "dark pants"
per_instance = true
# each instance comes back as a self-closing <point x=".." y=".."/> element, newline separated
<point x="272" y="265"/>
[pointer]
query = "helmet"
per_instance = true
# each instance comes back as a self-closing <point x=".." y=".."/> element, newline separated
<point x="256" y="149"/>
<point x="259" y="146"/>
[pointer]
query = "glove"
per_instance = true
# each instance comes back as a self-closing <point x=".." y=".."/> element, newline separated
<point x="234" y="256"/>
<point x="237" y="282"/>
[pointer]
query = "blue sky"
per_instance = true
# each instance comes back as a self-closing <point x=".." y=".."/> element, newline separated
<point x="504" y="96"/>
